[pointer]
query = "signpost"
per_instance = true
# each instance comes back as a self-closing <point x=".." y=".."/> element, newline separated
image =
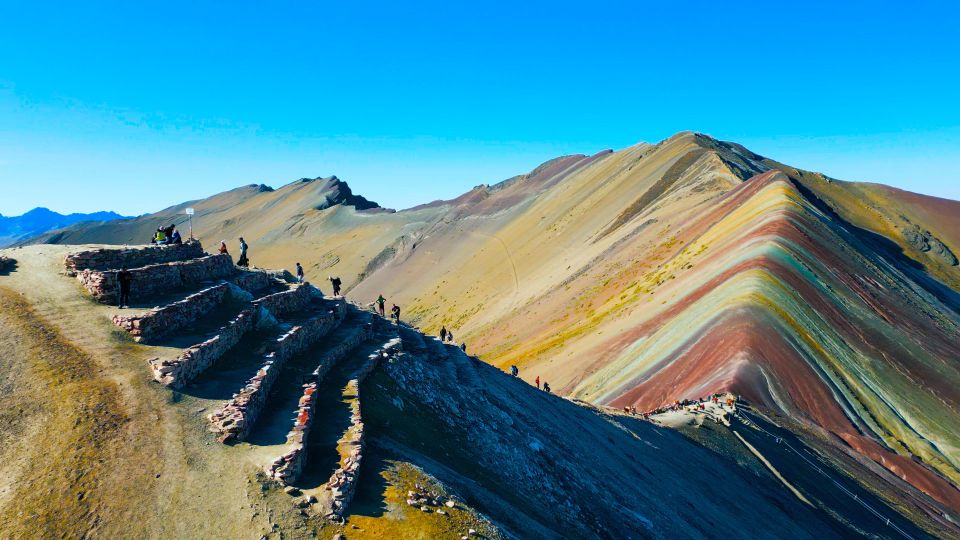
<point x="190" y="213"/>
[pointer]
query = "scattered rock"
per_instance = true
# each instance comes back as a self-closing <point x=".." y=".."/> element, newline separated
<point x="472" y="532"/>
<point x="450" y="504"/>
<point x="424" y="509"/>
<point x="290" y="490"/>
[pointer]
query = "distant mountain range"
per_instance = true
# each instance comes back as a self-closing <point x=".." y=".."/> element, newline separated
<point x="658" y="273"/>
<point x="41" y="220"/>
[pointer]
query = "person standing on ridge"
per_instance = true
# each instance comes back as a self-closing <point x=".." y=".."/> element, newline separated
<point x="380" y="302"/>
<point x="243" y="261"/>
<point x="335" y="283"/>
<point x="395" y="313"/>
<point x="175" y="238"/>
<point x="299" y="273"/>
<point x="124" y="278"/>
<point x="514" y="371"/>
<point x="450" y="336"/>
<point x="546" y="387"/>
<point x="443" y="334"/>
<point x="223" y="248"/>
<point x="463" y="346"/>
<point x="538" y="382"/>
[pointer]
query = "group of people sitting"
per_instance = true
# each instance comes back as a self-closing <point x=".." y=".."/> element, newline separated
<point x="167" y="235"/>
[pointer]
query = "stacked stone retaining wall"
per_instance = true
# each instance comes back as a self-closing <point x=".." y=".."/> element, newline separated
<point x="131" y="257"/>
<point x="160" y="322"/>
<point x="154" y="279"/>
<point x="254" y="280"/>
<point x="288" y="467"/>
<point x="343" y="482"/>
<point x="291" y="300"/>
<point x="235" y="419"/>
<point x="195" y="360"/>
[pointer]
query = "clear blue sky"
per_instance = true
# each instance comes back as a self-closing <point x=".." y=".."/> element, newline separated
<point x="135" y="106"/>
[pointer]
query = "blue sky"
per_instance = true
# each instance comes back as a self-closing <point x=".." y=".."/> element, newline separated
<point x="135" y="106"/>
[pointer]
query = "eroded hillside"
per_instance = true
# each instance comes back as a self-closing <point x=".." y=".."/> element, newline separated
<point x="663" y="272"/>
<point x="411" y="435"/>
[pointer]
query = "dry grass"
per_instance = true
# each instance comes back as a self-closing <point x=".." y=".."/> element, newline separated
<point x="60" y="493"/>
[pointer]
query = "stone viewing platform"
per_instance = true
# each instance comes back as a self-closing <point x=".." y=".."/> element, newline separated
<point x="282" y="339"/>
<point x="235" y="419"/>
<point x="161" y="322"/>
<point x="288" y="467"/>
<point x="156" y="279"/>
<point x="131" y="257"/>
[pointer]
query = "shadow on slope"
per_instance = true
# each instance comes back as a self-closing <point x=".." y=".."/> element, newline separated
<point x="542" y="466"/>
<point x="889" y="250"/>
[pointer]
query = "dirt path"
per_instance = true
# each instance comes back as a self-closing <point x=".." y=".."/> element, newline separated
<point x="127" y="463"/>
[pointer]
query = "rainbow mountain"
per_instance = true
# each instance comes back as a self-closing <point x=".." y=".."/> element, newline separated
<point x="658" y="273"/>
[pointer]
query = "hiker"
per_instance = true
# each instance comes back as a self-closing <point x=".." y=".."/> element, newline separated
<point x="159" y="237"/>
<point x="538" y="382"/>
<point x="450" y="336"/>
<point x="335" y="283"/>
<point x="175" y="237"/>
<point x="514" y="371"/>
<point x="223" y="248"/>
<point x="395" y="313"/>
<point x="243" y="261"/>
<point x="463" y="347"/>
<point x="124" y="277"/>
<point x="443" y="334"/>
<point x="168" y="231"/>
<point x="299" y="273"/>
<point x="380" y="302"/>
<point x="546" y="387"/>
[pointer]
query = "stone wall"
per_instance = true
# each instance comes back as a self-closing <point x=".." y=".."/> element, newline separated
<point x="131" y="257"/>
<point x="235" y="419"/>
<point x="254" y="280"/>
<point x="343" y="482"/>
<point x="288" y="467"/>
<point x="151" y="280"/>
<point x="160" y="322"/>
<point x="195" y="360"/>
<point x="291" y="300"/>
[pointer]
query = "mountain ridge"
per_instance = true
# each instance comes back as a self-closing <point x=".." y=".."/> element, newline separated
<point x="614" y="276"/>
<point x="41" y="220"/>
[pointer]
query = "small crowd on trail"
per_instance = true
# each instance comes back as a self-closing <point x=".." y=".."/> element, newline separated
<point x="692" y="405"/>
<point x="166" y="236"/>
<point x="515" y="372"/>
